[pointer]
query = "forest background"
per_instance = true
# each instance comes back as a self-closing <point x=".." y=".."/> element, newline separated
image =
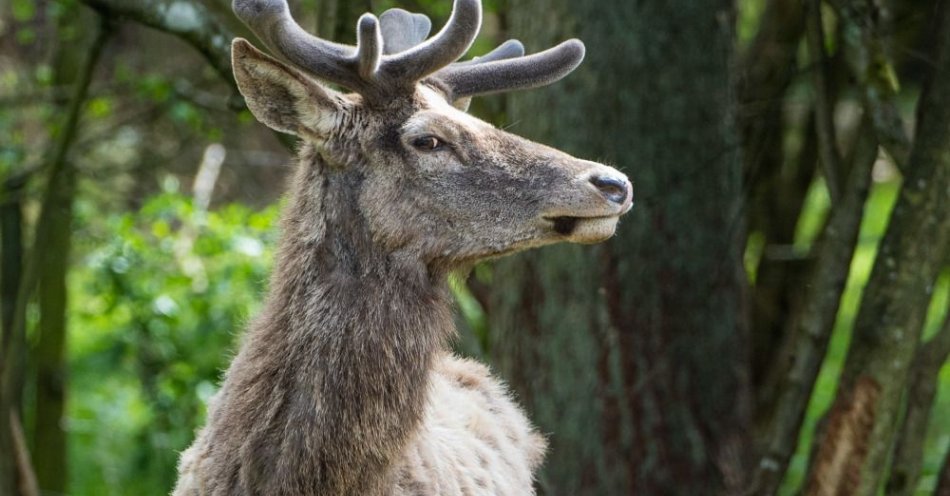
<point x="771" y="318"/>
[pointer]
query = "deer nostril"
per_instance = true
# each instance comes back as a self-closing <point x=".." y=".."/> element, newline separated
<point x="615" y="190"/>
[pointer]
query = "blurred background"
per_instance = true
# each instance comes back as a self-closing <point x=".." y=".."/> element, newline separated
<point x="771" y="318"/>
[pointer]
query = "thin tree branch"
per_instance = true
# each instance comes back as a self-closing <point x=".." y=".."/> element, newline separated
<point x="908" y="455"/>
<point x="809" y="342"/>
<point x="193" y="22"/>
<point x="188" y="20"/>
<point x="824" y="106"/>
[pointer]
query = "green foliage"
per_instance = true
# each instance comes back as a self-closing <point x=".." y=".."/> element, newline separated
<point x="159" y="301"/>
<point x="159" y="294"/>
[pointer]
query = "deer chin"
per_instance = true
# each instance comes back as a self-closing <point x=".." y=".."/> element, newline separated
<point x="585" y="230"/>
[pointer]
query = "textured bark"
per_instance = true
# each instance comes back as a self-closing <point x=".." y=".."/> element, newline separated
<point x="631" y="354"/>
<point x="887" y="329"/>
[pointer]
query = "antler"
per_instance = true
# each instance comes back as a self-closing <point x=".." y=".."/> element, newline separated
<point x="503" y="71"/>
<point x="392" y="53"/>
<point x="403" y="30"/>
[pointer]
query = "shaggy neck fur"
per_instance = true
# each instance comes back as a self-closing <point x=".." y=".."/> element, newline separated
<point x="331" y="382"/>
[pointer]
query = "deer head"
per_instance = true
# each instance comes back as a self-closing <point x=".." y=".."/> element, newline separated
<point x="426" y="178"/>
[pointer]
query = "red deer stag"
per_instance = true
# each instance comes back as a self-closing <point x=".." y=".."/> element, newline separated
<point x="345" y="385"/>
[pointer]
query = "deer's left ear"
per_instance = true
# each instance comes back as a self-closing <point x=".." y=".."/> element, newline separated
<point x="282" y="97"/>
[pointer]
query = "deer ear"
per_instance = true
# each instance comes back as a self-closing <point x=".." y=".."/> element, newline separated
<point x="280" y="96"/>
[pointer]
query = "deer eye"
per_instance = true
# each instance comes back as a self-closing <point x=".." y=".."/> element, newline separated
<point x="428" y="143"/>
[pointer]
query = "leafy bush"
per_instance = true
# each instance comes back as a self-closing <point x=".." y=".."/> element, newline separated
<point x="160" y="299"/>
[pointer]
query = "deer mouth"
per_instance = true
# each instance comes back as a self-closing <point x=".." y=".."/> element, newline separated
<point x="584" y="229"/>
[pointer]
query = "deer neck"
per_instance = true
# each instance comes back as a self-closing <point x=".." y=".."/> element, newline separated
<point x="345" y="341"/>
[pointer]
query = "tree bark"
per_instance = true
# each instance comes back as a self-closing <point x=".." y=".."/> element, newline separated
<point x="632" y="354"/>
<point x="863" y="419"/>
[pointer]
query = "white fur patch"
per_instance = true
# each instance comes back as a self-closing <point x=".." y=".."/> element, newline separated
<point x="474" y="439"/>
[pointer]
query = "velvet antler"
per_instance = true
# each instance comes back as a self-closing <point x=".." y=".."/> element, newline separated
<point x="503" y="73"/>
<point x="393" y="54"/>
<point x="503" y="69"/>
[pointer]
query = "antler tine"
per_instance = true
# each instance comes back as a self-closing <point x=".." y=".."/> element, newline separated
<point x="532" y="71"/>
<point x="439" y="51"/>
<point x="380" y="64"/>
<point x="403" y="30"/>
<point x="271" y="21"/>
<point x="369" y="46"/>
<point x="507" y="50"/>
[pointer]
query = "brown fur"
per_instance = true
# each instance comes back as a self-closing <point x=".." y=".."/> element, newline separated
<point x="343" y="385"/>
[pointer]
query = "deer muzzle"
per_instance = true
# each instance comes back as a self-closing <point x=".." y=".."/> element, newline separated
<point x="590" y="215"/>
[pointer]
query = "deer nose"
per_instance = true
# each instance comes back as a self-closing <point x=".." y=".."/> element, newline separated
<point x="615" y="190"/>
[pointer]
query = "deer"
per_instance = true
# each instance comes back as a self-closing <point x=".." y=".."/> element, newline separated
<point x="344" y="384"/>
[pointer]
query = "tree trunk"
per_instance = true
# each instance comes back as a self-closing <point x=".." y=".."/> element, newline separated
<point x="632" y="354"/>
<point x="863" y="418"/>
<point x="50" y="259"/>
<point x="50" y="432"/>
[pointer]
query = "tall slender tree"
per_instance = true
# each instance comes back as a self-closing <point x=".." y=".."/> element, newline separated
<point x="50" y="263"/>
<point x="633" y="355"/>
